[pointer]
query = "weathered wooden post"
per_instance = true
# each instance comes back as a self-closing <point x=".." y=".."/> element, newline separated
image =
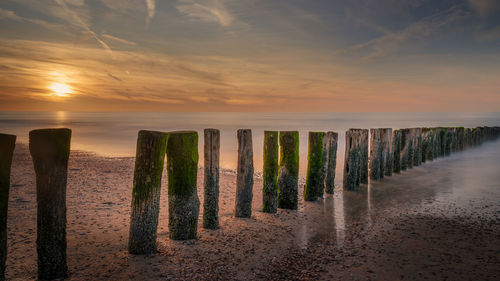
<point x="288" y="174"/>
<point x="352" y="162"/>
<point x="324" y="167"/>
<point x="437" y="143"/>
<point x="50" y="150"/>
<point x="406" y="148"/>
<point x="332" y="139"/>
<point x="396" y="151"/>
<point x="418" y="146"/>
<point x="182" y="169"/>
<point x="427" y="144"/>
<point x="461" y="138"/>
<point x="376" y="154"/>
<point x="447" y="140"/>
<point x="211" y="178"/>
<point x="7" y="144"/>
<point x="244" y="177"/>
<point x="314" y="166"/>
<point x="388" y="151"/>
<point x="363" y="174"/>
<point x="149" y="161"/>
<point x="270" y="172"/>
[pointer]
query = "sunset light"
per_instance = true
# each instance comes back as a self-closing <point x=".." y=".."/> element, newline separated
<point x="60" y="89"/>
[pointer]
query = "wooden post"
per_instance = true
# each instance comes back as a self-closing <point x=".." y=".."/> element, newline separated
<point x="270" y="172"/>
<point x="352" y="162"/>
<point x="7" y="144"/>
<point x="363" y="174"/>
<point x="396" y="151"/>
<point x="50" y="150"/>
<point x="211" y="177"/>
<point x="460" y="138"/>
<point x="388" y="151"/>
<point x="324" y="167"/>
<point x="376" y="154"/>
<point x="288" y="174"/>
<point x="182" y="169"/>
<point x="314" y="166"/>
<point x="332" y="139"/>
<point x="244" y="181"/>
<point x="149" y="161"/>
<point x="417" y="146"/>
<point x="437" y="142"/>
<point x="406" y="148"/>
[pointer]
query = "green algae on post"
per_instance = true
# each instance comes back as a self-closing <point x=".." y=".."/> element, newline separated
<point x="7" y="144"/>
<point x="182" y="169"/>
<point x="288" y="174"/>
<point x="211" y="179"/>
<point x="387" y="140"/>
<point x="332" y="139"/>
<point x="244" y="177"/>
<point x="314" y="166"/>
<point x="376" y="154"/>
<point x="364" y="150"/>
<point x="270" y="172"/>
<point x="145" y="207"/>
<point x="50" y="150"/>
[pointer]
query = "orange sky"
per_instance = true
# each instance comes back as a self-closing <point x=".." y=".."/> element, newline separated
<point x="217" y="55"/>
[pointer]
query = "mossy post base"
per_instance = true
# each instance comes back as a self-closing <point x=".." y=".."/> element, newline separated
<point x="7" y="144"/>
<point x="270" y="172"/>
<point x="315" y="165"/>
<point x="396" y="151"/>
<point x="244" y="177"/>
<point x="387" y="141"/>
<point x="211" y="185"/>
<point x="288" y="173"/>
<point x="145" y="207"/>
<point x="332" y="139"/>
<point x="182" y="168"/>
<point x="352" y="162"/>
<point x="50" y="150"/>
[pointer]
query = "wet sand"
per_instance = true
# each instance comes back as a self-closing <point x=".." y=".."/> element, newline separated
<point x="440" y="221"/>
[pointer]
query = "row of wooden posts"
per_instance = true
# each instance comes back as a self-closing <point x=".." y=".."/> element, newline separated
<point x="390" y="151"/>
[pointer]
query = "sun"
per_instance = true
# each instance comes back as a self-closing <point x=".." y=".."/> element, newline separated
<point x="60" y="89"/>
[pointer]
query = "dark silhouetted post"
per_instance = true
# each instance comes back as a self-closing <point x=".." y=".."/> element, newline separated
<point x="352" y="162"/>
<point x="270" y="172"/>
<point x="376" y="154"/>
<point x="182" y="169"/>
<point x="211" y="199"/>
<point x="149" y="161"/>
<point x="314" y="166"/>
<point x="288" y="174"/>
<point x="363" y="174"/>
<point x="406" y="148"/>
<point x="50" y="150"/>
<point x="332" y="139"/>
<point x="244" y="178"/>
<point x="388" y="151"/>
<point x="7" y="144"/>
<point x="396" y="151"/>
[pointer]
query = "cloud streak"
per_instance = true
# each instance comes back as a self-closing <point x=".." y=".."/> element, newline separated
<point x="213" y="11"/>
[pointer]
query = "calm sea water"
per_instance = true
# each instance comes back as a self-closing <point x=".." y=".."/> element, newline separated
<point x="115" y="134"/>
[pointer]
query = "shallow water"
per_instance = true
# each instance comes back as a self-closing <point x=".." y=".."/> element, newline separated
<point x="115" y="134"/>
<point x="465" y="185"/>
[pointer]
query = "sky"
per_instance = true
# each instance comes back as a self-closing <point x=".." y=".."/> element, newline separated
<point x="250" y="55"/>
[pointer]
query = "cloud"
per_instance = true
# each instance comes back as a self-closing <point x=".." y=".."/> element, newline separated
<point x="207" y="11"/>
<point x="117" y="39"/>
<point x="150" y="4"/>
<point x="390" y="42"/>
<point x="485" y="8"/>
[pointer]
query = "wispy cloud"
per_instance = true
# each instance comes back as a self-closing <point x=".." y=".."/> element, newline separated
<point x="151" y="7"/>
<point x="84" y="25"/>
<point x="485" y="8"/>
<point x="207" y="10"/>
<point x="390" y="42"/>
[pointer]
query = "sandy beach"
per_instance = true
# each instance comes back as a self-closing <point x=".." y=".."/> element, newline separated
<point x="398" y="229"/>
